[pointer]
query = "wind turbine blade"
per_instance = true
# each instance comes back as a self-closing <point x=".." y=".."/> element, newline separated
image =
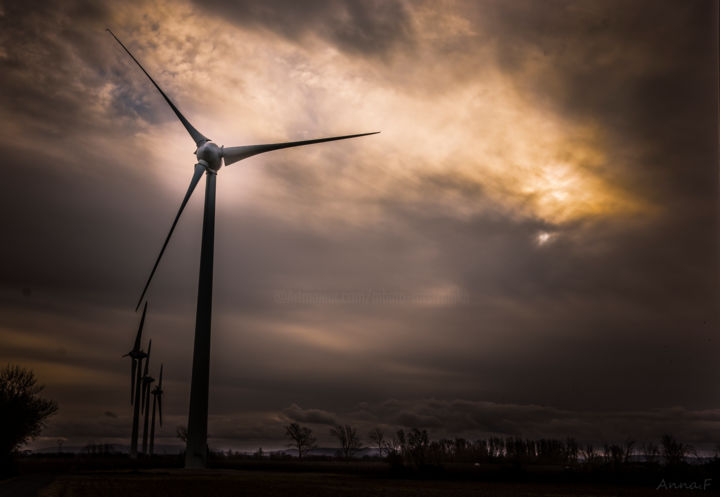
<point x="195" y="134"/>
<point x="234" y="154"/>
<point x="147" y="361"/>
<point x="199" y="169"/>
<point x="138" y="337"/>
<point x="132" y="380"/>
<point x="159" y="397"/>
<point x="160" y="379"/>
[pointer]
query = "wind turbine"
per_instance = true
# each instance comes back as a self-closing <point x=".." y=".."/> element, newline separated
<point x="157" y="394"/>
<point x="146" y="381"/>
<point x="137" y="355"/>
<point x="210" y="159"/>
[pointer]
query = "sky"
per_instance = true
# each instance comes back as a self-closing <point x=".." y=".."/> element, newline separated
<point x="528" y="248"/>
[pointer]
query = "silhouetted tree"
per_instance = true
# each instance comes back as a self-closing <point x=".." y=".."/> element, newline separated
<point x="674" y="452"/>
<point x="93" y="449"/>
<point x="399" y="442"/>
<point x="348" y="438"/>
<point x="571" y="450"/>
<point x="302" y="438"/>
<point x="437" y="452"/>
<point x="462" y="450"/>
<point x="588" y="454"/>
<point x="651" y="452"/>
<point x="614" y="454"/>
<point x="446" y="449"/>
<point x="550" y="451"/>
<point x="480" y="450"/>
<point x="629" y="448"/>
<point x="417" y="444"/>
<point x="531" y="448"/>
<point x="23" y="413"/>
<point x="377" y="437"/>
<point x="516" y="450"/>
<point x="396" y="449"/>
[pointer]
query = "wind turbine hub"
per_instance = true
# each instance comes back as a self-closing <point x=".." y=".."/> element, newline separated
<point x="211" y="154"/>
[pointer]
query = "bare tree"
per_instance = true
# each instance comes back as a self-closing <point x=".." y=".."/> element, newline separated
<point x="302" y="438"/>
<point x="400" y="442"/>
<point x="629" y="449"/>
<point x="606" y="452"/>
<point x="651" y="452"/>
<point x="571" y="450"/>
<point x="396" y="449"/>
<point x="588" y="453"/>
<point x="22" y="412"/>
<point x="673" y="451"/>
<point x="348" y="438"/>
<point x="614" y="453"/>
<point x="417" y="446"/>
<point x="377" y="437"/>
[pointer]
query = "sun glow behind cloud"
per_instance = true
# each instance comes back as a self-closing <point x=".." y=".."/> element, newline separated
<point x="485" y="134"/>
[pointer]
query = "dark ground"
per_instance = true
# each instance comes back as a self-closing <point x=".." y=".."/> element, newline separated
<point x="227" y="483"/>
<point x="117" y="476"/>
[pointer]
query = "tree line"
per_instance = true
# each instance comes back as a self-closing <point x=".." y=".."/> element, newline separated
<point x="23" y="414"/>
<point x="415" y="448"/>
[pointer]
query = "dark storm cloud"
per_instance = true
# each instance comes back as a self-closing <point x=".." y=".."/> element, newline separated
<point x="620" y="316"/>
<point x="91" y="425"/>
<point x="477" y="418"/>
<point x="644" y="69"/>
<point x="368" y="28"/>
<point x="679" y="252"/>
<point x="645" y="72"/>
<point x="315" y="416"/>
<point x="47" y="83"/>
<point x="60" y="67"/>
<point x="473" y="419"/>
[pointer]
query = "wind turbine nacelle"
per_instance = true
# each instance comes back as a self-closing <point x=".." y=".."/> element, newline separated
<point x="210" y="154"/>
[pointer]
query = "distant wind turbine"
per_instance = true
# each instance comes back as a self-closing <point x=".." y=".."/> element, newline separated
<point x="146" y="382"/>
<point x="157" y="394"/>
<point x="137" y="355"/>
<point x="210" y="158"/>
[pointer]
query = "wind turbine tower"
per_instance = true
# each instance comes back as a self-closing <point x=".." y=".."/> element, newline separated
<point x="137" y="355"/>
<point x="146" y="382"/>
<point x="157" y="394"/>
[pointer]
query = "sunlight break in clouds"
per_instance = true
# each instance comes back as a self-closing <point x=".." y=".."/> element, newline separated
<point x="254" y="88"/>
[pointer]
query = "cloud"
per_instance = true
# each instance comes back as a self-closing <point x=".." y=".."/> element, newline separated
<point x="315" y="416"/>
<point x="475" y="419"/>
<point x="369" y="28"/>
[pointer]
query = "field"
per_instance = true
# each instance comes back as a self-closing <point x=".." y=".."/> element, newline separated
<point x="234" y="483"/>
<point x="115" y="475"/>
